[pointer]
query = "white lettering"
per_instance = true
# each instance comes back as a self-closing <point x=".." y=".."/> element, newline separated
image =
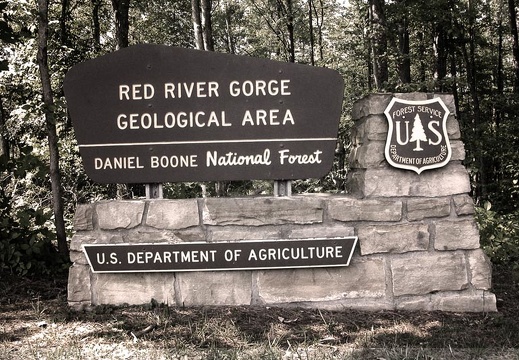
<point x="136" y="92"/>
<point x="174" y="161"/>
<point x="250" y="88"/>
<point x="170" y="120"/>
<point x="435" y="132"/>
<point x="233" y="159"/>
<point x="123" y="162"/>
<point x="199" y="89"/>
<point x="301" y="159"/>
<point x="264" y="117"/>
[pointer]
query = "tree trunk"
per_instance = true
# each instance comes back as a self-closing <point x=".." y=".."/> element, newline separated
<point x="311" y="29"/>
<point x="290" y="29"/>
<point x="421" y="55"/>
<point x="498" y="109"/>
<point x="4" y="142"/>
<point x="515" y="46"/>
<point x="228" y="30"/>
<point x="96" y="31"/>
<point x="379" y="43"/>
<point x="368" y="46"/>
<point x="404" y="62"/>
<point x="454" y="76"/>
<point x="500" y="79"/>
<point x="482" y="177"/>
<point x="63" y="22"/>
<point x="48" y="100"/>
<point x="197" y="24"/>
<point x="122" y="24"/>
<point x="207" y="25"/>
<point x="320" y="29"/>
<point x="441" y="54"/>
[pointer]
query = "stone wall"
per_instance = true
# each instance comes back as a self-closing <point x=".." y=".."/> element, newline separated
<point x="418" y="243"/>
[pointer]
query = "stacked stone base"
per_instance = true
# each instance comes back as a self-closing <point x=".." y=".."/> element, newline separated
<point x="413" y="253"/>
<point x="418" y="245"/>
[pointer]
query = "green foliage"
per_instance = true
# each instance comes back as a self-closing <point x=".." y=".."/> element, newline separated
<point x="499" y="235"/>
<point x="476" y="42"/>
<point x="26" y="237"/>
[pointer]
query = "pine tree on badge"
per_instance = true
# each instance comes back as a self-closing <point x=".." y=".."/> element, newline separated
<point x="418" y="133"/>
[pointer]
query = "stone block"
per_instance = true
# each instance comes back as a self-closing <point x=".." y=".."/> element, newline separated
<point x="360" y="304"/>
<point x="458" y="150"/>
<point x="263" y="211"/>
<point x="191" y="234"/>
<point x="454" y="235"/>
<point x="357" y="133"/>
<point x="414" y="303"/>
<point x="480" y="269"/>
<point x="452" y="179"/>
<point x="393" y="238"/>
<point x="79" y="239"/>
<point x="350" y="209"/>
<point x="463" y="205"/>
<point x="145" y="235"/>
<point x="368" y="155"/>
<point x="214" y="288"/>
<point x="150" y="235"/>
<point x="422" y="273"/>
<point x="172" y="214"/>
<point x="83" y="217"/>
<point x="236" y="233"/>
<point x="355" y="183"/>
<point x="119" y="214"/>
<point x="376" y="128"/>
<point x="477" y="301"/>
<point x="364" y="278"/>
<point x="78" y="257"/>
<point x="421" y="208"/>
<point x="370" y="128"/>
<point x="133" y="288"/>
<point x="79" y="283"/>
<point x="317" y="231"/>
<point x="413" y="96"/>
<point x="453" y="128"/>
<point x="371" y="104"/>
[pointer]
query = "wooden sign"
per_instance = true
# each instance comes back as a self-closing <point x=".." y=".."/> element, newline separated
<point x="153" y="113"/>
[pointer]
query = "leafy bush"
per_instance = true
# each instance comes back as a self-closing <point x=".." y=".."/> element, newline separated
<point x="499" y="235"/>
<point x="26" y="240"/>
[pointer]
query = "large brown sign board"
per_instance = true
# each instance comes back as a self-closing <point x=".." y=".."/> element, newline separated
<point x="243" y="255"/>
<point x="153" y="113"/>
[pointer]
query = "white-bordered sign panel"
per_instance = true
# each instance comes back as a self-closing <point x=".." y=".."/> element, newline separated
<point x="417" y="138"/>
<point x="155" y="113"/>
<point x="213" y="256"/>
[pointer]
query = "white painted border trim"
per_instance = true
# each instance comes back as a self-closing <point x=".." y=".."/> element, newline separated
<point x="355" y="240"/>
<point x="203" y="142"/>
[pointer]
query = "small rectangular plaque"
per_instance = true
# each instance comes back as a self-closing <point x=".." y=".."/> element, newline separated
<point x="214" y="256"/>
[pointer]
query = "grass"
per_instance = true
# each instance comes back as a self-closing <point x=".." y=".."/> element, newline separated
<point x="36" y="323"/>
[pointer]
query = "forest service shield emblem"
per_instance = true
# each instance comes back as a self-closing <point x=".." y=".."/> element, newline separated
<point x="417" y="138"/>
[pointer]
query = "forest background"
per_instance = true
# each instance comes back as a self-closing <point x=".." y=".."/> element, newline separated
<point x="469" y="48"/>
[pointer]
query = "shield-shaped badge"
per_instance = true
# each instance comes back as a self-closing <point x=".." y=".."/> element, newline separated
<point x="417" y="138"/>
